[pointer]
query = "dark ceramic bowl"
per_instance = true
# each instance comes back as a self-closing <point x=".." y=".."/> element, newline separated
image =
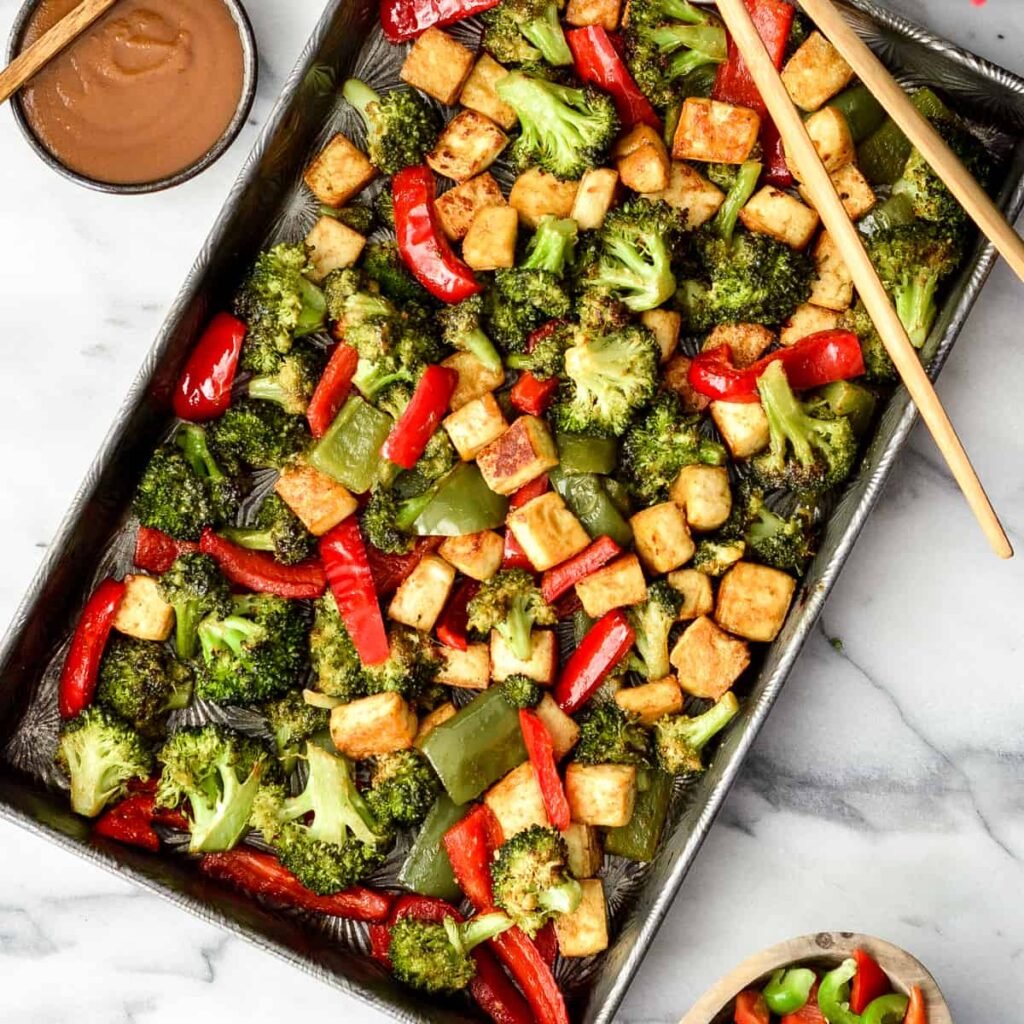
<point x="250" y="65"/>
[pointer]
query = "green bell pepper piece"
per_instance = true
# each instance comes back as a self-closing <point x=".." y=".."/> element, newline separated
<point x="578" y="453"/>
<point x="461" y="503"/>
<point x="895" y="212"/>
<point x="834" y="994"/>
<point x="427" y="869"/>
<point x="864" y="114"/>
<point x="638" y="840"/>
<point x="350" y="450"/>
<point x="890" y="1009"/>
<point x="788" y="991"/>
<point x="883" y="154"/>
<point x="477" y="746"/>
<point x="844" y="398"/>
<point x="619" y="493"/>
<point x="587" y="498"/>
<point x="581" y="626"/>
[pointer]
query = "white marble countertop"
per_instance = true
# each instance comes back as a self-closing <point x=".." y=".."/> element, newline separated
<point x="886" y="794"/>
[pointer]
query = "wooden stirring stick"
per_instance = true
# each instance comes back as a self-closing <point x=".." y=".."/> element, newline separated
<point x="823" y="194"/>
<point x="873" y="73"/>
<point x="48" y="45"/>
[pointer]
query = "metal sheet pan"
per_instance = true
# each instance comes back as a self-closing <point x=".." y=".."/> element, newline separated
<point x="265" y="204"/>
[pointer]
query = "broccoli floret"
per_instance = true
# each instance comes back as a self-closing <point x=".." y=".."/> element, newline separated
<point x="546" y="357"/>
<point x="255" y="653"/>
<point x="461" y="328"/>
<point x="511" y="603"/>
<point x="878" y="365"/>
<point x="327" y="835"/>
<point x="384" y="207"/>
<point x="359" y="217"/>
<point x="384" y="264"/>
<point x="260" y="434"/>
<point x="292" y="383"/>
<point x="277" y="530"/>
<point x="340" y="285"/>
<point x="401" y="126"/>
<point x="659" y="443"/>
<point x="599" y="310"/>
<point x="525" y="31"/>
<point x="714" y="557"/>
<point x="100" y="754"/>
<point x="403" y="787"/>
<point x="531" y="878"/>
<point x="783" y="542"/>
<point x="435" y="958"/>
<point x="439" y="457"/>
<point x="608" y="735"/>
<point x="722" y="175"/>
<point x="608" y="379"/>
<point x="195" y="588"/>
<point x="521" y="691"/>
<point x="652" y="621"/>
<point x="292" y="721"/>
<point x="679" y="740"/>
<point x="213" y="773"/>
<point x="387" y="520"/>
<point x="411" y="665"/>
<point x="565" y="131"/>
<point x="279" y="303"/>
<point x="335" y="659"/>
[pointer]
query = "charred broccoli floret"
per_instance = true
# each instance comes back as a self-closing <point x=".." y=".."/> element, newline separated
<point x="511" y="603"/>
<point x="784" y="542"/>
<point x="384" y="264"/>
<point x="335" y="660"/>
<point x="387" y="519"/>
<point x="546" y="357"/>
<point x="100" y="754"/>
<point x="259" y="434"/>
<point x="462" y="329"/>
<point x="526" y="31"/>
<point x="359" y="217"/>
<point x="652" y="621"/>
<point x="599" y="311"/>
<point x="411" y="665"/>
<point x="195" y="588"/>
<point x="292" y="383"/>
<point x="403" y="787"/>
<point x="277" y="530"/>
<point x="401" y="126"/>
<point x="292" y="721"/>
<point x="715" y="557"/>
<point x="521" y="691"/>
<point x="608" y="735"/>
<point x="679" y="740"/>
<point x="878" y="366"/>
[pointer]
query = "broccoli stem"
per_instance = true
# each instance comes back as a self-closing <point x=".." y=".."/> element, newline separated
<point x="360" y="96"/>
<point x="254" y="540"/>
<point x="231" y="632"/>
<point x="483" y="348"/>
<point x="561" y="899"/>
<point x="516" y="631"/>
<point x="219" y="825"/>
<point x="786" y="419"/>
<point x="268" y="389"/>
<point x="741" y="191"/>
<point x="186" y="627"/>
<point x="700" y="731"/>
<point x="314" y="309"/>
<point x="683" y="10"/>
<point x="552" y="245"/>
<point x="915" y="304"/>
<point x="410" y="509"/>
<point x="546" y="34"/>
<point x="466" y="937"/>
<point x="192" y="441"/>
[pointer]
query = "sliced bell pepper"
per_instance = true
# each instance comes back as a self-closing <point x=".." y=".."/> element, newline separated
<point x="82" y="666"/>
<point x="751" y="1008"/>
<point x="403" y="20"/>
<point x="598" y="63"/>
<point x="562" y="578"/>
<point x="863" y="113"/>
<point x="917" y="1012"/>
<point x="513" y="556"/>
<point x="156" y="551"/>
<point x="531" y="395"/>
<point x="546" y="941"/>
<point x="869" y="982"/>
<point x="460" y="503"/>
<point x="421" y="417"/>
<point x="332" y="389"/>
<point x="542" y="757"/>
<point x="349" y="451"/>
<point x="380" y="944"/>
<point x="834" y="994"/>
<point x="887" y="1009"/>
<point x="261" y="572"/>
<point x="453" y="624"/>
<point x="789" y="990"/>
<point x="580" y="453"/>
<point x="528" y="967"/>
<point x="203" y="391"/>
<point x="348" y="572"/>
<point x="534" y="489"/>
<point x="131" y="822"/>
<point x="607" y="643"/>
<point x="426" y="869"/>
<point x="883" y="154"/>
<point x="638" y="839"/>
<point x="587" y="497"/>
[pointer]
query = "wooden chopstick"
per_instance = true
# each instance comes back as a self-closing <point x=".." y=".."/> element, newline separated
<point x="823" y="194"/>
<point x="32" y="60"/>
<point x="873" y="73"/>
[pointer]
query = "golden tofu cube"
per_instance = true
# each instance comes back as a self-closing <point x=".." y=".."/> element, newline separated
<point x="617" y="585"/>
<point x="536" y="194"/>
<point x="748" y="341"/>
<point x="525" y="451"/>
<point x="602" y="795"/>
<point x="832" y="287"/>
<point x="676" y="378"/>
<point x="143" y="613"/>
<point x="475" y="379"/>
<point x="480" y="95"/>
<point x="476" y="555"/>
<point x="642" y="160"/>
<point x="373" y="725"/>
<point x="708" y="660"/>
<point x="605" y="13"/>
<point x="692" y="194"/>
<point x="695" y="587"/>
<point x="475" y="426"/>
<point x="805" y="321"/>
<point x="584" y="932"/>
<point x="490" y="243"/>
<point x="651" y="701"/>
<point x="458" y="207"/>
<point x="704" y="494"/>
<point x="541" y="666"/>
<point x="661" y="537"/>
<point x="857" y="196"/>
<point x="585" y="854"/>
<point x="468" y="670"/>
<point x="438" y="65"/>
<point x="665" y="325"/>
<point x="547" y="531"/>
<point x="469" y="144"/>
<point x="331" y="246"/>
<point x="778" y="214"/>
<point x="594" y="197"/>
<point x="431" y="721"/>
<point x="562" y="729"/>
<point x="422" y="595"/>
<point x="715" y="132"/>
<point x="516" y="801"/>
<point x="830" y="133"/>
<point x="753" y="600"/>
<point x="341" y="171"/>
<point x="743" y="426"/>
<point x="815" y="73"/>
<point x="318" y="500"/>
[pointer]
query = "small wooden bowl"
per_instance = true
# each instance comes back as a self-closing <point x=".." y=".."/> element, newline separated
<point x="824" y="951"/>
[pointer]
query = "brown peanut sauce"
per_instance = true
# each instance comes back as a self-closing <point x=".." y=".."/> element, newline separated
<point x="142" y="94"/>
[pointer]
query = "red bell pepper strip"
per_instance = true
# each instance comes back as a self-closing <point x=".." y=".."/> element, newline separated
<point x="542" y="757"/>
<point x="453" y="625"/>
<point x="514" y="557"/>
<point x="813" y="361"/>
<point x="562" y="578"/>
<point x="131" y="822"/>
<point x="917" y="1012"/>
<point x="421" y="242"/>
<point x="520" y="955"/>
<point x="546" y="941"/>
<point x="868" y="983"/>
<point x="534" y="489"/>
<point x="156" y="551"/>
<point x="261" y="572"/>
<point x="348" y="572"/>
<point x="380" y="944"/>
<point x="203" y="391"/>
<point x="332" y="389"/>
<point x="403" y="20"/>
<point x="532" y="396"/>
<point x="421" y="417"/>
<point x="607" y="643"/>
<point x="809" y="1013"/>
<point x="751" y="1008"/>
<point x="598" y="63"/>
<point x="82" y="665"/>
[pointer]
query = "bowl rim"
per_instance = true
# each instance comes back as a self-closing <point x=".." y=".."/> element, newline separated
<point x="250" y="75"/>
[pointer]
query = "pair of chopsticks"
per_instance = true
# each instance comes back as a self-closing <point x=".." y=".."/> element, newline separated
<point x="818" y="185"/>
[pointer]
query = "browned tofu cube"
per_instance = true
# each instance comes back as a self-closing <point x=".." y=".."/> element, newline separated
<point x="704" y="494"/>
<point x="584" y="932"/>
<point x="594" y="197"/>
<point x="562" y="729"/>
<point x="662" y="537"/>
<point x="421" y="596"/>
<point x="743" y="426"/>
<point x="469" y="144"/>
<point x="748" y="341"/>
<point x="522" y="453"/>
<point x="373" y="725"/>
<point x="476" y="555"/>
<point x="605" y="13"/>
<point x="475" y="379"/>
<point x="547" y="531"/>
<point x="665" y="325"/>
<point x="480" y="95"/>
<point x="714" y="132"/>
<point x="438" y="65"/>
<point x="774" y="212"/>
<point x="830" y="133"/>
<point x="475" y="426"/>
<point x="516" y="801"/>
<point x="457" y="208"/>
<point x="617" y="585"/>
<point x="651" y="701"/>
<point x="815" y="73"/>
<point x="857" y="196"/>
<point x="708" y="660"/>
<point x="537" y="194"/>
<point x="692" y="194"/>
<point x="642" y="160"/>
<point x="341" y="171"/>
<point x="490" y="243"/>
<point x="805" y="321"/>
<point x="585" y="854"/>
<point x="143" y="613"/>
<point x="695" y="587"/>
<point x="467" y="670"/>
<point x="541" y="666"/>
<point x="753" y="600"/>
<point x="832" y="287"/>
<point x="317" y="499"/>
<point x="331" y="246"/>
<point x="602" y="795"/>
<point x="676" y="377"/>
<point x="431" y="721"/>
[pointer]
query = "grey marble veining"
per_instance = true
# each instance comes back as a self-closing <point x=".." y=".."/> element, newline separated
<point x="886" y="793"/>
